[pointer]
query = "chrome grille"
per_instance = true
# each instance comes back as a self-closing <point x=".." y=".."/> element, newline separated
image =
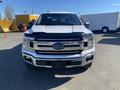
<point x="46" y="47"/>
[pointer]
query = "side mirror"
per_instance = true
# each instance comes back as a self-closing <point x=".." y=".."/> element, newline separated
<point x="87" y="24"/>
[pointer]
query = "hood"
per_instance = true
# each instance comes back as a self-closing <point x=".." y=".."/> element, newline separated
<point x="60" y="29"/>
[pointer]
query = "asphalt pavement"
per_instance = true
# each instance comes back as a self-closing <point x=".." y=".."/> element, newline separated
<point x="103" y="75"/>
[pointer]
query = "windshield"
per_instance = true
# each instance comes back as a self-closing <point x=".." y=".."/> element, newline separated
<point x="58" y="19"/>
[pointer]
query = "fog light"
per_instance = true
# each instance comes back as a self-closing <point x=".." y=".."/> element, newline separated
<point x="89" y="58"/>
<point x="29" y="59"/>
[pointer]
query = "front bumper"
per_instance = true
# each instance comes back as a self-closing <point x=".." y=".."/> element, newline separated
<point x="50" y="61"/>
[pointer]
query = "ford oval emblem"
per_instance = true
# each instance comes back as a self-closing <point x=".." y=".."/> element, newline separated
<point x="58" y="46"/>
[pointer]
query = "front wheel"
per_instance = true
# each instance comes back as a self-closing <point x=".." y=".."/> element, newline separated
<point x="118" y="30"/>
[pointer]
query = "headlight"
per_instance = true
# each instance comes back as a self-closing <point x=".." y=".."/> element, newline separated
<point x="28" y="38"/>
<point x="27" y="42"/>
<point x="88" y="41"/>
<point x="87" y="36"/>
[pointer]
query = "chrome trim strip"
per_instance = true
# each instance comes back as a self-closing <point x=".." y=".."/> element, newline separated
<point x="51" y="43"/>
<point x="52" y="49"/>
<point x="71" y="39"/>
<point x="43" y="66"/>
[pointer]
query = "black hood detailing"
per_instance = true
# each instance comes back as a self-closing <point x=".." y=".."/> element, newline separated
<point x="42" y="35"/>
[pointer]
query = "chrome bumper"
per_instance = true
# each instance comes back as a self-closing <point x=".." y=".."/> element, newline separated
<point x="82" y="59"/>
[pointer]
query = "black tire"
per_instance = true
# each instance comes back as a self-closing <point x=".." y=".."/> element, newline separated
<point x="105" y="29"/>
<point x="29" y="66"/>
<point x="118" y="30"/>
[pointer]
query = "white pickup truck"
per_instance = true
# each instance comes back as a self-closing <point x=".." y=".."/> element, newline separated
<point x="58" y="40"/>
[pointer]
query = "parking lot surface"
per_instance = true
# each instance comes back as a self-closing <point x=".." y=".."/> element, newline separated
<point x="103" y="75"/>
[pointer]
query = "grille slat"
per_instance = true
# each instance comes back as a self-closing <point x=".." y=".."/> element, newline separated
<point x="58" y="52"/>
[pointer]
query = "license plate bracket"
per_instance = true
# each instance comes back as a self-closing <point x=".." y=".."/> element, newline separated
<point x="58" y="64"/>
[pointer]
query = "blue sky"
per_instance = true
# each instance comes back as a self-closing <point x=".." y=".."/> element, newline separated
<point x="78" y="6"/>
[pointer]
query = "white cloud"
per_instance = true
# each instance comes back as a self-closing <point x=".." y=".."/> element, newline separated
<point x="116" y="4"/>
